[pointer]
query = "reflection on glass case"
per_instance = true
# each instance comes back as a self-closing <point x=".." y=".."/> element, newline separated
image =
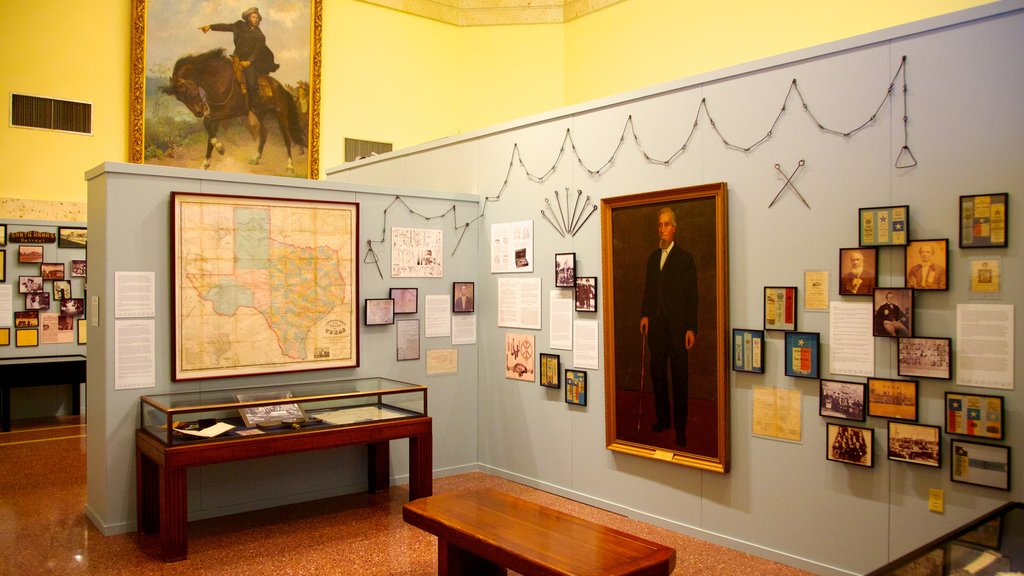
<point x="189" y="417"/>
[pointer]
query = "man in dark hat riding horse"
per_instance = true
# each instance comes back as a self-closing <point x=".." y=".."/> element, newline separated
<point x="251" y="58"/>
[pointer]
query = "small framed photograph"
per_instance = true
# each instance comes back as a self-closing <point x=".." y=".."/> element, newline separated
<point x="850" y="444"/>
<point x="983" y="220"/>
<point x="926" y="262"/>
<point x="985" y="275"/>
<point x="68" y="237"/>
<point x="565" y="270"/>
<point x="52" y="270"/>
<point x="406" y="300"/>
<point x="981" y="464"/>
<point x="802" y="354"/>
<point x="463" y="297"/>
<point x="915" y="443"/>
<point x="884" y="226"/>
<point x="82" y="324"/>
<point x="5" y="336"/>
<point x="780" y="307"/>
<point x="520" y="360"/>
<point x="30" y="284"/>
<point x="72" y="307"/>
<point x="550" y="370"/>
<point x="379" y="311"/>
<point x="61" y="289"/>
<point x="78" y="268"/>
<point x="26" y="337"/>
<point x="893" y="399"/>
<point x="748" y="350"/>
<point x="26" y="319"/>
<point x="37" y="301"/>
<point x="586" y="294"/>
<point x="976" y="415"/>
<point x="858" y="269"/>
<point x="894" y="313"/>
<point x="926" y="357"/>
<point x="30" y="254"/>
<point x="846" y="400"/>
<point x="576" y="387"/>
<point x="407" y="339"/>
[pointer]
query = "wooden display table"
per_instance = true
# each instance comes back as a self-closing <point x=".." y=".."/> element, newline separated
<point x="485" y="532"/>
<point x="27" y="371"/>
<point x="161" y="470"/>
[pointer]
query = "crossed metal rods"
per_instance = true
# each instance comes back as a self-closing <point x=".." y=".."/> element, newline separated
<point x="569" y="222"/>
<point x="789" y="182"/>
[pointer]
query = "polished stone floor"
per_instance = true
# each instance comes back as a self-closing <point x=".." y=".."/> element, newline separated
<point x="43" y="529"/>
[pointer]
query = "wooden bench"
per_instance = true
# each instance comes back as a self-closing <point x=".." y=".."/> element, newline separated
<point x="485" y="532"/>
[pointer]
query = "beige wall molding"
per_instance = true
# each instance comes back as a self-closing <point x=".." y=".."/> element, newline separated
<point x="497" y="12"/>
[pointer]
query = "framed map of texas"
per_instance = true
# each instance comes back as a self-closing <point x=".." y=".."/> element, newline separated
<point x="263" y="285"/>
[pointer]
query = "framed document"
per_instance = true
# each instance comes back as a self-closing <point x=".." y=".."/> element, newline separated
<point x="983" y="220"/>
<point x="780" y="307"/>
<point x="977" y="415"/>
<point x="405" y="300"/>
<point x="379" y="311"/>
<point x="884" y="226"/>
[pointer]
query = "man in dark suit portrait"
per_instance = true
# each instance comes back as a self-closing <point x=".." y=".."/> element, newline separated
<point x="858" y="280"/>
<point x="669" y="322"/>
<point x="464" y="301"/>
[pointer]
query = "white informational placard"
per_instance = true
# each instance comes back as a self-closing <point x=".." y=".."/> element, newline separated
<point x="585" y="344"/>
<point x="6" y="304"/>
<point x="519" y="303"/>
<point x="851" y="348"/>
<point x="438" y="316"/>
<point x="134" y="354"/>
<point x="560" y="318"/>
<point x="512" y="247"/>
<point x="463" y="329"/>
<point x="984" y="351"/>
<point x="134" y="294"/>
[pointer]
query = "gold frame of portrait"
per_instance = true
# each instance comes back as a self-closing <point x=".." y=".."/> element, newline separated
<point x="137" y="86"/>
<point x="708" y="240"/>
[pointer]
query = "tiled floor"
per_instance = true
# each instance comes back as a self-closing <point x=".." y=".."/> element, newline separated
<point x="43" y="528"/>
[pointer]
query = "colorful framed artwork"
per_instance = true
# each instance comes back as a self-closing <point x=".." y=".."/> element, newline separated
<point x="406" y="300"/>
<point x="983" y="220"/>
<point x="915" y="443"/>
<point x="463" y="296"/>
<point x="980" y="464"/>
<point x="926" y="263"/>
<point x="884" y="226"/>
<point x="802" y="354"/>
<point x="565" y="270"/>
<point x="893" y="399"/>
<point x="978" y="415"/>
<point x="26" y="337"/>
<point x="30" y="254"/>
<point x="894" y="313"/>
<point x="71" y="237"/>
<point x="186" y="101"/>
<point x="520" y="360"/>
<point x="858" y="271"/>
<point x="780" y="308"/>
<point x="550" y="370"/>
<point x="925" y="357"/>
<point x="576" y="387"/>
<point x="850" y="444"/>
<point x="379" y="311"/>
<point x="748" y="350"/>
<point x="5" y="336"/>
<point x="586" y="294"/>
<point x="846" y="400"/>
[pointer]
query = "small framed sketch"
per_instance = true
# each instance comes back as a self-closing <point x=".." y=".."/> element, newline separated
<point x="858" y="269"/>
<point x="565" y="270"/>
<point x="894" y="313"/>
<point x="802" y="354"/>
<point x="893" y="399"/>
<point x="462" y="297"/>
<point x="407" y="339"/>
<point x="977" y="415"/>
<point x="925" y="263"/>
<point x="926" y="357"/>
<point x="780" y="307"/>
<point x="72" y="237"/>
<point x="379" y="311"/>
<point x="845" y="400"/>
<point x="576" y="387"/>
<point x="884" y="226"/>
<point x="29" y="254"/>
<point x="983" y="220"/>
<point x="850" y="444"/>
<point x="915" y="443"/>
<point x="981" y="464"/>
<point x="78" y="268"/>
<point x="406" y="300"/>
<point x="550" y="370"/>
<point x="748" y="350"/>
<point x="586" y="294"/>
<point x="52" y="270"/>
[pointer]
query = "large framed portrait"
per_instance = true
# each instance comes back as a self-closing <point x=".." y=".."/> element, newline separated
<point x="926" y="263"/>
<point x="858" y="271"/>
<point x="678" y="325"/>
<point x="894" y="313"/>
<point x="213" y="86"/>
<point x="275" y="289"/>
<point x="983" y="220"/>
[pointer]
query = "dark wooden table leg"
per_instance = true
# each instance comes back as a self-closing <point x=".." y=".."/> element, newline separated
<point x="173" y="513"/>
<point x="147" y="494"/>
<point x="455" y="561"/>
<point x="421" y="466"/>
<point x="378" y="466"/>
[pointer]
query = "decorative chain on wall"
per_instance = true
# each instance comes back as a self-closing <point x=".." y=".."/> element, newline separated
<point x="905" y="158"/>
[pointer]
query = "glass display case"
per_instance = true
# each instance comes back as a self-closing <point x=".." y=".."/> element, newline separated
<point x="206" y="415"/>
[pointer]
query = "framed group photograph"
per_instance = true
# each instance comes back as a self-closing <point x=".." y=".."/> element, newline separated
<point x="406" y="300"/>
<point x="981" y="464"/>
<point x="379" y="311"/>
<point x="78" y="268"/>
<point x="978" y="415"/>
<point x="850" y="444"/>
<point x="576" y="387"/>
<point x="462" y="297"/>
<point x="915" y="443"/>
<point x="858" y="271"/>
<point x="29" y="254"/>
<point x="565" y="270"/>
<point x="925" y="357"/>
<point x="748" y="350"/>
<point x="846" y="400"/>
<point x="550" y="370"/>
<point x="802" y="354"/>
<point x="651" y="244"/>
<point x="26" y="319"/>
<point x="71" y="237"/>
<point x="780" y="307"/>
<point x="926" y="263"/>
<point x="893" y="313"/>
<point x="893" y="399"/>
<point x="586" y="294"/>
<point x="983" y="220"/>
<point x="884" y="226"/>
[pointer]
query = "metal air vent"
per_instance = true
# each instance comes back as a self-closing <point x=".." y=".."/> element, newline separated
<point x="51" y="114"/>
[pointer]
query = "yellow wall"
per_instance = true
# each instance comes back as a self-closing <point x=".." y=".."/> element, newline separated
<point x="393" y="77"/>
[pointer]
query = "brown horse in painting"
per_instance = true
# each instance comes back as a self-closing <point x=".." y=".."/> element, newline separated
<point x="207" y="85"/>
